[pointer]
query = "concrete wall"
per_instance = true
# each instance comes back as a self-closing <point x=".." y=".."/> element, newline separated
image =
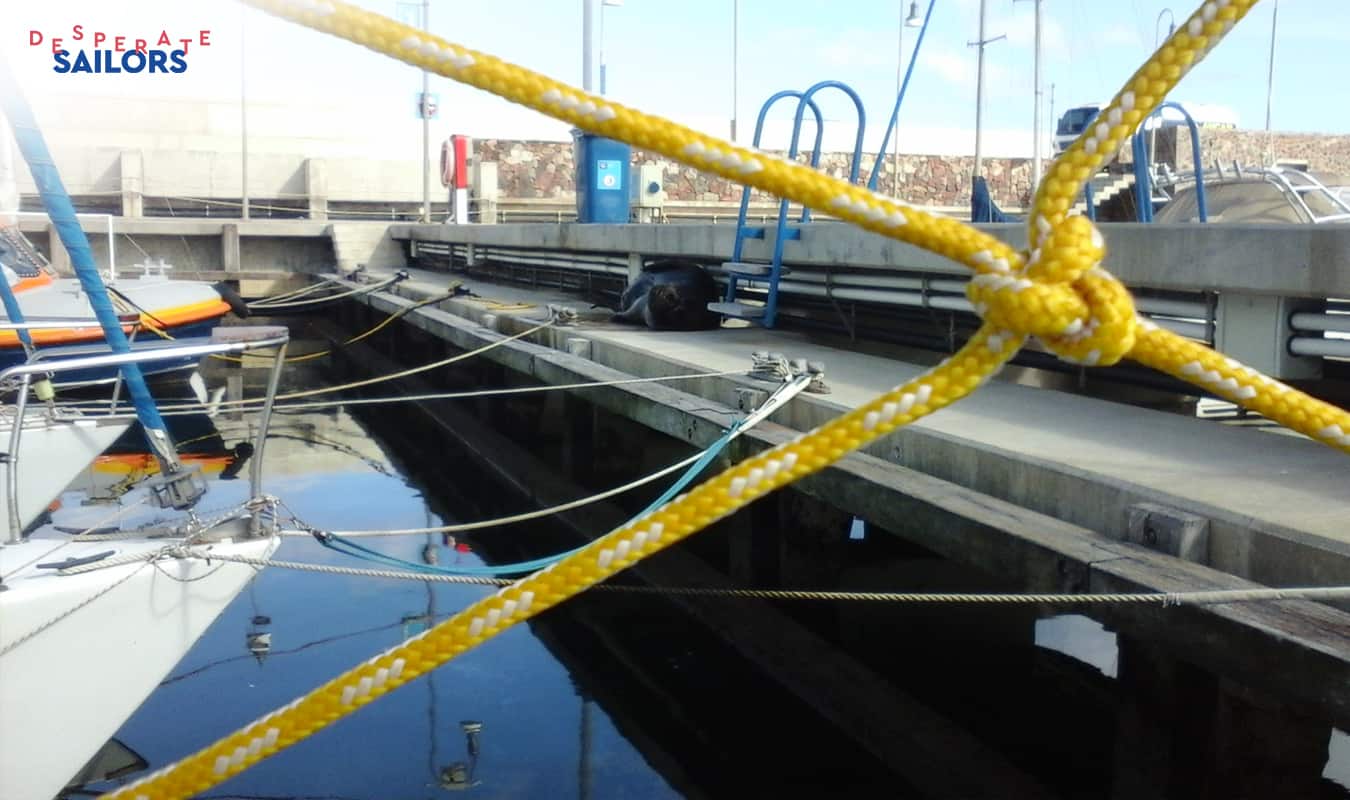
<point x="188" y="147"/>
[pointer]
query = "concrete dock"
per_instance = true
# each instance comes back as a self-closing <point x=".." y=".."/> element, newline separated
<point x="1053" y="492"/>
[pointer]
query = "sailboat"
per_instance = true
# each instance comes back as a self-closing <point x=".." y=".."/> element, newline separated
<point x="91" y="622"/>
<point x="149" y="305"/>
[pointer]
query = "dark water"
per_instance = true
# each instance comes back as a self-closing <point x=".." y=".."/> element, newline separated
<point x="536" y="739"/>
<point x="618" y="696"/>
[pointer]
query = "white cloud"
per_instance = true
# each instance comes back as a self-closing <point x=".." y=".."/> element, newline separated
<point x="855" y="49"/>
<point x="952" y="67"/>
<point x="1121" y="36"/>
<point x="1021" y="30"/>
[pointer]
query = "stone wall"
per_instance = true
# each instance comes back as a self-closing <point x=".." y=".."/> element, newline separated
<point x="545" y="170"/>
<point x="1324" y="153"/>
<point x="527" y="170"/>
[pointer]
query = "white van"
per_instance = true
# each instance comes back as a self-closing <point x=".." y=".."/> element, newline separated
<point x="1073" y="122"/>
<point x="1077" y="119"/>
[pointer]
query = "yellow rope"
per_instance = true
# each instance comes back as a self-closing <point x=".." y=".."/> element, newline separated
<point x="1056" y="291"/>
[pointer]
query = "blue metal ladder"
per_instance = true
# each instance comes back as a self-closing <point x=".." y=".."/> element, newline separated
<point x="1144" y="197"/>
<point x="738" y="268"/>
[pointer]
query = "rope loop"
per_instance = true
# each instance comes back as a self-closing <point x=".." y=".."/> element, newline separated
<point x="1061" y="295"/>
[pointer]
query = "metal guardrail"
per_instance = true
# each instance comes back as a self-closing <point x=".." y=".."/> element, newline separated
<point x="1191" y="316"/>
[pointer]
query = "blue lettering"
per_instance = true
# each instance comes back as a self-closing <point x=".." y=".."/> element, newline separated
<point x="62" y="60"/>
<point x="177" y="57"/>
<point x="157" y="59"/>
<point x="126" y="61"/>
<point x="81" y="63"/>
<point x="109" y="65"/>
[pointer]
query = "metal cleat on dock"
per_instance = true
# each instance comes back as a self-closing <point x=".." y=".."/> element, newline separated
<point x="562" y="315"/>
<point x="775" y="367"/>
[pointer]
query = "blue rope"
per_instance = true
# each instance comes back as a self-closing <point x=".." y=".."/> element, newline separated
<point x="356" y="550"/>
<point x="57" y="203"/>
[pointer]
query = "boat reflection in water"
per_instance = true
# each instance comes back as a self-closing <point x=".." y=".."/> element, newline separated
<point x="128" y="462"/>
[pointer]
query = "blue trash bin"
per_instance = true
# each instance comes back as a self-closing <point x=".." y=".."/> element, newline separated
<point x="602" y="178"/>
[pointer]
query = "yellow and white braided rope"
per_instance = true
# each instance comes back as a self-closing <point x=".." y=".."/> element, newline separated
<point x="1055" y="291"/>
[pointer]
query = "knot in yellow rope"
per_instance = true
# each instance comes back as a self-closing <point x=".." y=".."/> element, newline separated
<point x="1060" y="295"/>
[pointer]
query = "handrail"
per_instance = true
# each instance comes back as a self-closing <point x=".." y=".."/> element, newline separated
<point x="1279" y="178"/>
<point x="856" y="165"/>
<point x="1143" y="187"/>
<point x="759" y="132"/>
<point x="140" y="357"/>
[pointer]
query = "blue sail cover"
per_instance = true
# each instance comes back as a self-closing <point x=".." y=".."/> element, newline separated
<point x="982" y="207"/>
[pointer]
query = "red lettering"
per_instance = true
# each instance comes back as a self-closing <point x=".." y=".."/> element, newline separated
<point x="120" y="43"/>
<point x="34" y="38"/>
<point x="56" y="45"/>
<point x="140" y="45"/>
<point x="78" y="33"/>
<point x="99" y="37"/>
<point x="185" y="42"/>
<point x="205" y="38"/>
<point x="163" y="39"/>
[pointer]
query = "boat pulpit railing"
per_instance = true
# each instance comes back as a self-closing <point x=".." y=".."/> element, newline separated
<point x="179" y="491"/>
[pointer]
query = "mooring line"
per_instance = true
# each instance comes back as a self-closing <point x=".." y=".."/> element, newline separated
<point x="1198" y="597"/>
<point x="776" y="401"/>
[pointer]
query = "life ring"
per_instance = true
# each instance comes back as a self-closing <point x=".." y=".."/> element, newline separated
<point x="230" y="296"/>
<point x="447" y="164"/>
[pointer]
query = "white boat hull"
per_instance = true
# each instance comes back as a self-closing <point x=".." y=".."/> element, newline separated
<point x="68" y="688"/>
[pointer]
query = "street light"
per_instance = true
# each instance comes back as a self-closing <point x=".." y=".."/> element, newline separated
<point x="1171" y="25"/>
<point x="735" y="63"/>
<point x="1157" y="40"/>
<point x="422" y="10"/>
<point x="911" y="21"/>
<point x="1270" y="83"/>
<point x="603" y="5"/>
<point x="1036" y="140"/>
<point x="243" y="116"/>
<point x="979" y="86"/>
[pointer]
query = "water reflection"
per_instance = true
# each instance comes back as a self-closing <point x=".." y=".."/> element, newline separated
<point x="290" y="631"/>
<point x="1081" y="637"/>
<point x="615" y="698"/>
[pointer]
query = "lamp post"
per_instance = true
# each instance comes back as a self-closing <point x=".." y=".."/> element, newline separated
<point x="426" y="129"/>
<point x="1036" y="141"/>
<point x="1157" y="40"/>
<point x="1171" y="25"/>
<point x="243" y="118"/>
<point x="735" y="63"/>
<point x="1270" y="83"/>
<point x="911" y="21"/>
<point x="1036" y="114"/>
<point x="979" y="88"/>
<point x="603" y="5"/>
<point x="587" y="45"/>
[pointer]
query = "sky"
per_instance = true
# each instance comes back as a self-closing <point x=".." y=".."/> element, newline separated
<point x="674" y="58"/>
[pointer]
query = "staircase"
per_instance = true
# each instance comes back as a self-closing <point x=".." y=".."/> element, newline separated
<point x="365" y="244"/>
<point x="1105" y="187"/>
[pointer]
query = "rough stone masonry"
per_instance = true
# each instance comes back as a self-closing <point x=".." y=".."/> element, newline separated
<point x="544" y="170"/>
